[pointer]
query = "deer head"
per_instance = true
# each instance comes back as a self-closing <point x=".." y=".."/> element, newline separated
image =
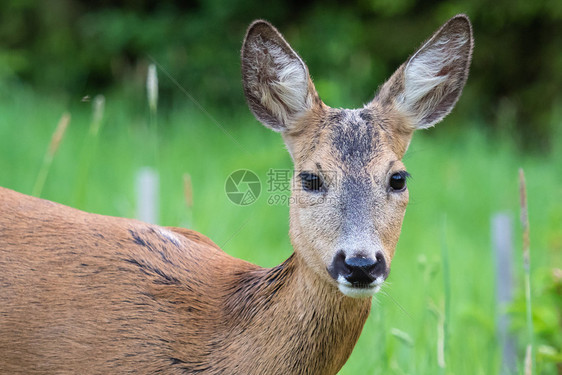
<point x="349" y="192"/>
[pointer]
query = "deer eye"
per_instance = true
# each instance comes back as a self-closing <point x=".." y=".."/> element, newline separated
<point x="398" y="181"/>
<point x="311" y="182"/>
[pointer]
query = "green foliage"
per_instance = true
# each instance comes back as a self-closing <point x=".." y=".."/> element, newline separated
<point x="78" y="48"/>
<point x="547" y="318"/>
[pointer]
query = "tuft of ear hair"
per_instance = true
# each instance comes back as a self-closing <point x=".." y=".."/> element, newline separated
<point x="426" y="87"/>
<point x="276" y="80"/>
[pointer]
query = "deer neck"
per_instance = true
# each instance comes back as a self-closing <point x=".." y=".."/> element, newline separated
<point x="294" y="319"/>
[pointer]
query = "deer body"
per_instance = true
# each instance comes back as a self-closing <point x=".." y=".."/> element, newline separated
<point x="84" y="293"/>
<point x="109" y="295"/>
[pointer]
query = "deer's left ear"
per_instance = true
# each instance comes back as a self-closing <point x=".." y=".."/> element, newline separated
<point x="426" y="87"/>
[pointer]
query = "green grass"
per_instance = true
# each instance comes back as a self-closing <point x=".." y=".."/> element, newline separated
<point x="462" y="177"/>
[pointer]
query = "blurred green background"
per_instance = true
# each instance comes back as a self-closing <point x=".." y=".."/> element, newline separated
<point x="71" y="48"/>
<point x="56" y="56"/>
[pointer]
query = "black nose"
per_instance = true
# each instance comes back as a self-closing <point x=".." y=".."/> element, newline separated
<point x="358" y="270"/>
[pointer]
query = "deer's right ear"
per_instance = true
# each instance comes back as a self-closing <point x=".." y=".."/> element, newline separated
<point x="276" y="81"/>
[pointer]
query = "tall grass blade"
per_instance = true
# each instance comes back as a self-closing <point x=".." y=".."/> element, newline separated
<point x="440" y="316"/>
<point x="188" y="196"/>
<point x="443" y="327"/>
<point x="56" y="140"/>
<point x="529" y="360"/>
<point x="152" y="96"/>
<point x="187" y="190"/>
<point x="441" y="343"/>
<point x="89" y="150"/>
<point x="152" y="88"/>
<point x="98" y="109"/>
<point x="402" y="336"/>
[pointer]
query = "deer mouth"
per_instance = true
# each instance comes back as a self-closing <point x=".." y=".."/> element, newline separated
<point x="360" y="290"/>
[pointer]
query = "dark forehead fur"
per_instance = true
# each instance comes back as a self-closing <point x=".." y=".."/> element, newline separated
<point x="355" y="136"/>
<point x="350" y="137"/>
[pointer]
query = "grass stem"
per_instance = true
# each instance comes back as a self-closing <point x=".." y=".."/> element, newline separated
<point x="152" y="95"/>
<point x="56" y="140"/>
<point x="443" y="326"/>
<point x="89" y="150"/>
<point x="529" y="357"/>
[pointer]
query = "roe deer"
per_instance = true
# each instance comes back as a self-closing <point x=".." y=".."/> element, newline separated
<point x="84" y="293"/>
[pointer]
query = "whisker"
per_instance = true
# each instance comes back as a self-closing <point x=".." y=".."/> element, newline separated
<point x="385" y="293"/>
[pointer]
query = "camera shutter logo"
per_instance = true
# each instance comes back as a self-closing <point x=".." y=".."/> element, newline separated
<point x="243" y="187"/>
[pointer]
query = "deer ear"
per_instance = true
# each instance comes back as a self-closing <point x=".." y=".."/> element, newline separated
<point x="426" y="88"/>
<point x="276" y="81"/>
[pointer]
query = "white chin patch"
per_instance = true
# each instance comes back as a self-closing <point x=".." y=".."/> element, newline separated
<point x="355" y="292"/>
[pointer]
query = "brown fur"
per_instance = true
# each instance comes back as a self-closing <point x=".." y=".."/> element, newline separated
<point x="84" y="293"/>
<point x="89" y="293"/>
